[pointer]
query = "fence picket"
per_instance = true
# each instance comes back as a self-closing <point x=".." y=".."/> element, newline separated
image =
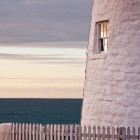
<point x="19" y="132"/>
<point x="89" y="132"/>
<point x="134" y="137"/>
<point x="23" y="131"/>
<point x="30" y="132"/>
<point x="33" y="132"/>
<point x="80" y="132"/>
<point x="63" y="130"/>
<point x="55" y="129"/>
<point x="59" y="133"/>
<point x="40" y="132"/>
<point x="27" y="132"/>
<point x="76" y="131"/>
<point x="85" y="132"/>
<point x="118" y="133"/>
<point x="43" y="132"/>
<point x="48" y="132"/>
<point x="36" y="131"/>
<point x="71" y="132"/>
<point x="99" y="132"/>
<point x="43" y="136"/>
<point x="108" y="133"/>
<point x="67" y="132"/>
<point x="94" y="133"/>
<point x="13" y="132"/>
<point x="51" y="133"/>
<point x="16" y="131"/>
<point x="103" y="133"/>
<point x="123" y="133"/>
<point x="128" y="133"/>
<point x="113" y="133"/>
<point x="139" y="133"/>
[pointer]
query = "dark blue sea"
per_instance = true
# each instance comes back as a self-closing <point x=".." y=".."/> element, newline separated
<point x="44" y="111"/>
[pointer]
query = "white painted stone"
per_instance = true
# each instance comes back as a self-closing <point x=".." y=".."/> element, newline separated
<point x="112" y="84"/>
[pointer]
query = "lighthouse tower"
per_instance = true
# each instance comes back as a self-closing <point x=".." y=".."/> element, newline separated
<point x="112" y="82"/>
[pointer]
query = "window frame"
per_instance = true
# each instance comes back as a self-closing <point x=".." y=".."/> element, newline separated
<point x="99" y="38"/>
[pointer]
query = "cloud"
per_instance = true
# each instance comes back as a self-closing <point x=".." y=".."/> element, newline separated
<point x="42" y="59"/>
<point x="33" y="21"/>
<point x="74" y="45"/>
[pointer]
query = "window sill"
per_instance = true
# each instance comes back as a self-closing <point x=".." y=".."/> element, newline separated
<point x="98" y="56"/>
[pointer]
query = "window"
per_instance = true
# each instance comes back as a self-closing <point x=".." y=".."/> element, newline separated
<point x="103" y="36"/>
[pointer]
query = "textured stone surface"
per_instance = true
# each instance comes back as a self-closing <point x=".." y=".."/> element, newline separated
<point x="112" y="85"/>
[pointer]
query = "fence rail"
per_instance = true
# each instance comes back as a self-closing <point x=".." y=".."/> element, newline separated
<point x="72" y="132"/>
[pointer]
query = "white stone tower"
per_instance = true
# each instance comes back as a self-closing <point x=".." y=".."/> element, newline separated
<point x="112" y="84"/>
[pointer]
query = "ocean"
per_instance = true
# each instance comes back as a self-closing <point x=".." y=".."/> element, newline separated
<point x="41" y="111"/>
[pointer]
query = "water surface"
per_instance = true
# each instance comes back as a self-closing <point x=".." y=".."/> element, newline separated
<point x="45" y="111"/>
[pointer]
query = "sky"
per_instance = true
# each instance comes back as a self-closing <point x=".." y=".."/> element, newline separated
<point x="43" y="48"/>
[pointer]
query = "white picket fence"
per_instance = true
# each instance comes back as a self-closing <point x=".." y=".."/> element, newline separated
<point x="72" y="132"/>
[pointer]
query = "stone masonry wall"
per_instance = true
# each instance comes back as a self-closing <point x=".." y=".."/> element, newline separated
<point x="112" y="84"/>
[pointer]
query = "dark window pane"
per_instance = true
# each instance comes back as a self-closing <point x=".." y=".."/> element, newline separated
<point x="102" y="46"/>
